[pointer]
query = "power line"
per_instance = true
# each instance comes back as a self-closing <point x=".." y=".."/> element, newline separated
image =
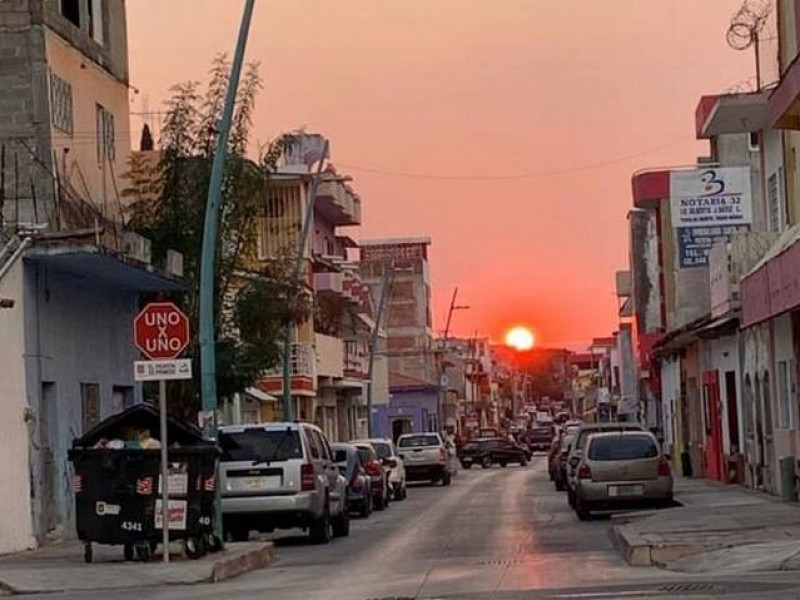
<point x="531" y="175"/>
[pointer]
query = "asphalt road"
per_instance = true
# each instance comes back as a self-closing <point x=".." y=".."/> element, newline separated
<point x="499" y="534"/>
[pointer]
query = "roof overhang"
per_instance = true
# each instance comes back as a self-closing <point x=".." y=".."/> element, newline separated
<point x="731" y="113"/>
<point x="784" y="102"/>
<point x="650" y="188"/>
<point x="97" y="265"/>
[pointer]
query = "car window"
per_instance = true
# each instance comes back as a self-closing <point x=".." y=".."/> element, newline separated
<point x="382" y="449"/>
<point x="324" y="446"/>
<point x="260" y="444"/>
<point x="416" y="441"/>
<point x="313" y="444"/>
<point x="628" y="447"/>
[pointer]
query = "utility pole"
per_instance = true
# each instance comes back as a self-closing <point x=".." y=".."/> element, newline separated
<point x="288" y="409"/>
<point x="442" y="384"/>
<point x="386" y="283"/>
<point x="208" y="358"/>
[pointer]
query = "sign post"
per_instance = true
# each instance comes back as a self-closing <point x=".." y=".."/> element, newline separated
<point x="161" y="332"/>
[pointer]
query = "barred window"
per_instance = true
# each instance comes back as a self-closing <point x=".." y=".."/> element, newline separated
<point x="106" y="144"/>
<point x="61" y="104"/>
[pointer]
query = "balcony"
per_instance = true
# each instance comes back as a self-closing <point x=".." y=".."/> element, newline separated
<point x="731" y="113"/>
<point x="337" y="203"/>
<point x="303" y="370"/>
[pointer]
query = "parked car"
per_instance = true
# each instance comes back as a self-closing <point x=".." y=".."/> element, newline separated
<point x="488" y="451"/>
<point x="281" y="476"/>
<point x="560" y="461"/>
<point x="582" y="435"/>
<point x="540" y="437"/>
<point x="359" y="484"/>
<point x="379" y="475"/>
<point x="620" y="470"/>
<point x="425" y="457"/>
<point x="388" y="455"/>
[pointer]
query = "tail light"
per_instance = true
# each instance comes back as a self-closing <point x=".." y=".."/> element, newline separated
<point x="664" y="469"/>
<point x="584" y="472"/>
<point x="442" y="455"/>
<point x="356" y="484"/>
<point x="373" y="468"/>
<point x="307" y="479"/>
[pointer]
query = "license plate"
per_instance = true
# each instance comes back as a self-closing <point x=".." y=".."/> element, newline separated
<point x="625" y="490"/>
<point x="258" y="484"/>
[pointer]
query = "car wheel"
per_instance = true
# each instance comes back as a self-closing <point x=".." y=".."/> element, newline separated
<point x="503" y="464"/>
<point x="366" y="508"/>
<point x="446" y="479"/>
<point x="405" y="491"/>
<point x="486" y="462"/>
<point x="583" y="510"/>
<point x="559" y="484"/>
<point x="320" y="530"/>
<point x="523" y="462"/>
<point x="194" y="547"/>
<point x="341" y="525"/>
<point x="466" y="465"/>
<point x="377" y="502"/>
<point x="571" y="498"/>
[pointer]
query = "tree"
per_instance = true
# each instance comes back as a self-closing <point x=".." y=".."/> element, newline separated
<point x="254" y="300"/>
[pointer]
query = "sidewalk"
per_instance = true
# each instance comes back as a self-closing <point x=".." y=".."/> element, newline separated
<point x="60" y="568"/>
<point x="718" y="527"/>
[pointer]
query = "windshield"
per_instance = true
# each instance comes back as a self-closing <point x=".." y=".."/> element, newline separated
<point x="414" y="441"/>
<point x="622" y="448"/>
<point x="382" y="449"/>
<point x="366" y="453"/>
<point x="260" y="445"/>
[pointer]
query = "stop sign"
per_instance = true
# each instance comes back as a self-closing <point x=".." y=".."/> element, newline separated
<point x="161" y="331"/>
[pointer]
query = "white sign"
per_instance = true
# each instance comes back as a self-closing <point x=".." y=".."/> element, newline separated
<point x="711" y="197"/>
<point x="177" y="484"/>
<point x="177" y="514"/>
<point x="162" y="370"/>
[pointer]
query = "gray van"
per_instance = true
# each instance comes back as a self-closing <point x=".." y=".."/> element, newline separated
<point x="281" y="476"/>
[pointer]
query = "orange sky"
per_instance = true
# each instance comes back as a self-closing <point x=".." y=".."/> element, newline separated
<point x="469" y="88"/>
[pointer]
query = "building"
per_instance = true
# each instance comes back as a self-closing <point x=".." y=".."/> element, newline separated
<point x="70" y="276"/>
<point x="401" y="267"/>
<point x="329" y="357"/>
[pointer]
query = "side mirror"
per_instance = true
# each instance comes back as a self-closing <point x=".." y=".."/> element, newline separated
<point x="574" y="461"/>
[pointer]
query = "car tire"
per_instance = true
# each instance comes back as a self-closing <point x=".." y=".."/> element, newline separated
<point x="366" y="508"/>
<point x="378" y="503"/>
<point x="571" y="497"/>
<point x="466" y="465"/>
<point x="447" y="479"/>
<point x="583" y="510"/>
<point x="523" y="462"/>
<point x="503" y="464"/>
<point x="559" y="484"/>
<point x="320" y="530"/>
<point x="486" y="462"/>
<point x="341" y="525"/>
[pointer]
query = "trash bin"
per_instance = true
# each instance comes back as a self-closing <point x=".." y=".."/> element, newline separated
<point x="117" y="485"/>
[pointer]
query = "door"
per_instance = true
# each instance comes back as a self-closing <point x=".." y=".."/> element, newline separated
<point x="769" y="442"/>
<point x="399" y="427"/>
<point x="713" y="426"/>
<point x="733" y="411"/>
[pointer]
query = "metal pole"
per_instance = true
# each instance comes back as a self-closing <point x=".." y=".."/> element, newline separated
<point x="162" y="407"/>
<point x="208" y="357"/>
<point x="441" y="387"/>
<point x="288" y="409"/>
<point x="373" y="341"/>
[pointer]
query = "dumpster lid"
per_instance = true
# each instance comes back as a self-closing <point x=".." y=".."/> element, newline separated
<point x="143" y="416"/>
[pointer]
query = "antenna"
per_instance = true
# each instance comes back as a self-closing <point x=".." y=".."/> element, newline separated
<point x="746" y="24"/>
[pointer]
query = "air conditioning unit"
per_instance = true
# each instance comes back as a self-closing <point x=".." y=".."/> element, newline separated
<point x="137" y="247"/>
<point x="174" y="264"/>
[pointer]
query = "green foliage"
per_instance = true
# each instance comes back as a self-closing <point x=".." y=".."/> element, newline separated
<point x="254" y="301"/>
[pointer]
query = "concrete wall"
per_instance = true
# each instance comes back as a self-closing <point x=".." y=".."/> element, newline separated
<point x="94" y="178"/>
<point x="76" y="331"/>
<point x="16" y="527"/>
<point x="644" y="271"/>
<point x="670" y="399"/>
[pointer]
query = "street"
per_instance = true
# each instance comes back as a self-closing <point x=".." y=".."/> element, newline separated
<point x="498" y="533"/>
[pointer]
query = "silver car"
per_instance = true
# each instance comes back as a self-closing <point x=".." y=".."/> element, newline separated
<point x="391" y="460"/>
<point x="281" y="476"/>
<point x="620" y="470"/>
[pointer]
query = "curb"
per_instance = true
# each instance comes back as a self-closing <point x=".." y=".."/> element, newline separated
<point x="252" y="560"/>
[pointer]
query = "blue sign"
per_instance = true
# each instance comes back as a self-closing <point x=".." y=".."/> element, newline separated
<point x="694" y="243"/>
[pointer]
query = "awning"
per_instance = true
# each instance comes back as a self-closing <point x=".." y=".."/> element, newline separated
<point x="259" y="395"/>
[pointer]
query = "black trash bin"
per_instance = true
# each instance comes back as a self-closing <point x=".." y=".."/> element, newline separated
<point x="117" y="489"/>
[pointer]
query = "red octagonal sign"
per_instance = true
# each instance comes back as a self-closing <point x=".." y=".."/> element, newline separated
<point x="161" y="331"/>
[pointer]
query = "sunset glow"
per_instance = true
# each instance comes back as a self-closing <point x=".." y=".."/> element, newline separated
<point x="520" y="338"/>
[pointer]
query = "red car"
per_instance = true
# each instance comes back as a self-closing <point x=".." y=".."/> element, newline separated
<point x="377" y="473"/>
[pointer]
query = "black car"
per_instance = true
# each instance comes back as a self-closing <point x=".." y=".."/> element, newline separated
<point x="540" y="437"/>
<point x="487" y="451"/>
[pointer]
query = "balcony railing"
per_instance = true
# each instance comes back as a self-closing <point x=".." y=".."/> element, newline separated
<point x="303" y="362"/>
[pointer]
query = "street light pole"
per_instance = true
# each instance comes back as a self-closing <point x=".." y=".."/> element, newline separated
<point x="208" y="358"/>
<point x="386" y="282"/>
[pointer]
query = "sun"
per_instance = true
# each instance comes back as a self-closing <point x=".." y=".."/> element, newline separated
<point x="520" y="338"/>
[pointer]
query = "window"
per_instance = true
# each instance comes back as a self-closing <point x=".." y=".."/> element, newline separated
<point x="753" y="141"/>
<point x="313" y="443"/>
<point x="106" y="149"/>
<point x="71" y="11"/>
<point x="260" y="445"/>
<point x="90" y="405"/>
<point x="96" y="25"/>
<point x="775" y="203"/>
<point x="61" y="104"/>
<point x="622" y="448"/>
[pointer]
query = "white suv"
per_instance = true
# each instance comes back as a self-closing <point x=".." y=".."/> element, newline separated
<point x="426" y="458"/>
<point x="281" y="476"/>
